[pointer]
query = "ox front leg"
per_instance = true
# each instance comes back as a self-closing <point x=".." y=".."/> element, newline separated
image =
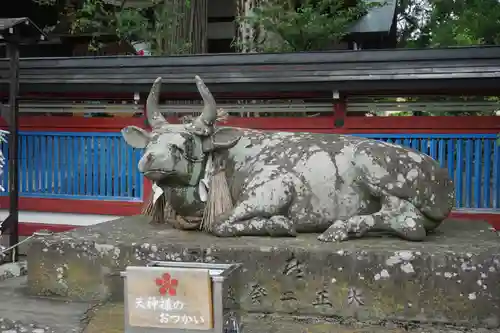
<point x="261" y="213"/>
<point x="396" y="216"/>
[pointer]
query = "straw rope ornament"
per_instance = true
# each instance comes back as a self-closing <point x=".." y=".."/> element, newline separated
<point x="219" y="196"/>
<point x="161" y="211"/>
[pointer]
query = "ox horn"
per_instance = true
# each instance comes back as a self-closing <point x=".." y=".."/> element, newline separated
<point x="209" y="113"/>
<point x="154" y="116"/>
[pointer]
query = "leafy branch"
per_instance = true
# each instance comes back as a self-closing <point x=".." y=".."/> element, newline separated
<point x="154" y="25"/>
<point x="311" y="25"/>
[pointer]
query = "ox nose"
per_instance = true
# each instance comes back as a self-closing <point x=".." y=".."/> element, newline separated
<point x="148" y="159"/>
<point x="146" y="162"/>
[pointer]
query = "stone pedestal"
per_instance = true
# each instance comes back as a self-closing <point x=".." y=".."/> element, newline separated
<point x="453" y="277"/>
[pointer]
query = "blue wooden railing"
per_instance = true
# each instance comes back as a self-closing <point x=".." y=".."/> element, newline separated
<point x="472" y="160"/>
<point x="72" y="165"/>
<point x="101" y="166"/>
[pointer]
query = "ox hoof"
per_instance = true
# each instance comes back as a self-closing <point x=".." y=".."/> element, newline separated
<point x="337" y="232"/>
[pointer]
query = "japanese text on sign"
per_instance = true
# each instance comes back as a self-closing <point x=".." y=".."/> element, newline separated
<point x="166" y="306"/>
<point x="161" y="303"/>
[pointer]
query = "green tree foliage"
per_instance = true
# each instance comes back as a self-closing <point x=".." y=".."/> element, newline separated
<point x="439" y="23"/>
<point x="308" y="25"/>
<point x="443" y="23"/>
<point x="153" y="25"/>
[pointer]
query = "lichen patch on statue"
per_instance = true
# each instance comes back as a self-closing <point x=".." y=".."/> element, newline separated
<point x="281" y="183"/>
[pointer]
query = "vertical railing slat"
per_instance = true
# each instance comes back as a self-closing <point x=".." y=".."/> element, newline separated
<point x="450" y="159"/>
<point x="68" y="164"/>
<point x="23" y="165"/>
<point x="88" y="165"/>
<point x="123" y="168"/>
<point x="82" y="164"/>
<point x="63" y="165"/>
<point x="102" y="171"/>
<point x="50" y="165"/>
<point x="116" y="166"/>
<point x="67" y="153"/>
<point x="57" y="166"/>
<point x="468" y="172"/>
<point x="414" y="143"/>
<point x="36" y="164"/>
<point x="406" y="142"/>
<point x="424" y="146"/>
<point x="131" y="169"/>
<point x="76" y="162"/>
<point x="433" y="150"/>
<point x="487" y="173"/>
<point x="71" y="170"/>
<point x="138" y="182"/>
<point x="442" y="153"/>
<point x="478" y="147"/>
<point x="29" y="155"/>
<point x="109" y="168"/>
<point x="459" y="173"/>
<point x="95" y="165"/>
<point x="43" y="164"/>
<point x="496" y="176"/>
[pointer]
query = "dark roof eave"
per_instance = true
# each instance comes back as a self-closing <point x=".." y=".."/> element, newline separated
<point x="334" y="70"/>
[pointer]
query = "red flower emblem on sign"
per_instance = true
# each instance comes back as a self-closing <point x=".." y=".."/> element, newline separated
<point x="167" y="285"/>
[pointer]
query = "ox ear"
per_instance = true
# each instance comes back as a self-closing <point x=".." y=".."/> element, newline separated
<point x="135" y="136"/>
<point x="222" y="138"/>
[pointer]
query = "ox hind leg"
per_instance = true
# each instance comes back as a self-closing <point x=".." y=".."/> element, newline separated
<point x="261" y="212"/>
<point x="396" y="215"/>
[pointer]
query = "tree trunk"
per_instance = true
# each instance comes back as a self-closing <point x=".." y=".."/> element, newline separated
<point x="189" y="27"/>
<point x="246" y="35"/>
<point x="253" y="38"/>
<point x="199" y="26"/>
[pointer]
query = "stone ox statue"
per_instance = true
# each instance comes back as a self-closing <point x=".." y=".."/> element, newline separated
<point x="284" y="183"/>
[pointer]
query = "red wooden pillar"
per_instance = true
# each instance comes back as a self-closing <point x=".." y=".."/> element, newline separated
<point x="148" y="188"/>
<point x="339" y="111"/>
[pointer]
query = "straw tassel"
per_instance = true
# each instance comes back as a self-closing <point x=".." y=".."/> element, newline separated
<point x="162" y="211"/>
<point x="158" y="206"/>
<point x="219" y="196"/>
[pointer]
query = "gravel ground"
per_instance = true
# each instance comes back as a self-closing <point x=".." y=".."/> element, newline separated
<point x="9" y="326"/>
<point x="22" y="313"/>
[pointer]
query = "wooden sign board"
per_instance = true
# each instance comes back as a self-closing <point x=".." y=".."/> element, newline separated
<point x="169" y="298"/>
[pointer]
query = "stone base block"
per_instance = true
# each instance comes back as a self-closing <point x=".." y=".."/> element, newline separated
<point x="450" y="278"/>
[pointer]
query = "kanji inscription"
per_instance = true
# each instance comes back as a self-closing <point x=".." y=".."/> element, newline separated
<point x="169" y="298"/>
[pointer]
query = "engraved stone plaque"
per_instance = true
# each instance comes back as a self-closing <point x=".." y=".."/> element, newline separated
<point x="169" y="298"/>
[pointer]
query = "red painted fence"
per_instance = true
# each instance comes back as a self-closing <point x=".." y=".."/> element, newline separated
<point x="375" y="125"/>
